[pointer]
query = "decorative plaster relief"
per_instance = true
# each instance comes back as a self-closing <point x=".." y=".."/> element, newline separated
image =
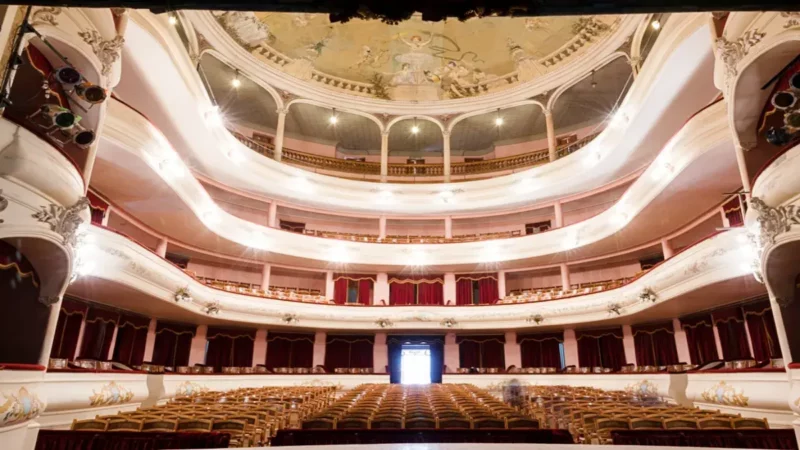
<point x="108" y="51"/>
<point x="19" y="407"/>
<point x="774" y="221"/>
<point x="725" y="394"/>
<point x="644" y="389"/>
<point x="64" y="221"/>
<point x="733" y="52"/>
<point x="110" y="394"/>
<point x="45" y="16"/>
<point x="189" y="389"/>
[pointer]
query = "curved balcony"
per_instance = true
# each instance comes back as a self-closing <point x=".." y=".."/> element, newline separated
<point x="372" y="170"/>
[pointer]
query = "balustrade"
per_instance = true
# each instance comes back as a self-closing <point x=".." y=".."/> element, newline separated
<point x="327" y="163"/>
<point x="408" y="239"/>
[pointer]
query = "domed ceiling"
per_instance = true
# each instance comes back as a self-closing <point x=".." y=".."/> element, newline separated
<point x="415" y="60"/>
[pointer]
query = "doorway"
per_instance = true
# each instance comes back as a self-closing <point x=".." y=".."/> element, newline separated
<point x="415" y="364"/>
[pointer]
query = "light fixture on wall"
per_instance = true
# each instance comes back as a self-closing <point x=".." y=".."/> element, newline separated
<point x="655" y="24"/>
<point x="415" y="128"/>
<point x="498" y="120"/>
<point x="236" y="82"/>
<point x="334" y="119"/>
<point x="172" y="19"/>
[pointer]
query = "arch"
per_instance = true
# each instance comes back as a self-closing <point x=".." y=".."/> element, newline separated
<point x="605" y="61"/>
<point x="454" y="122"/>
<point x="307" y="101"/>
<point x="412" y="116"/>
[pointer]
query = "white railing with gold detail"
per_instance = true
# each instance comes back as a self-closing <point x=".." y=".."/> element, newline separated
<point x="409" y="239"/>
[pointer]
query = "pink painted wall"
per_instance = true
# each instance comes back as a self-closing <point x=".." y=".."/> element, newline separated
<point x="585" y="208"/>
<point x="507" y="222"/>
<point x="117" y="223"/>
<point x="228" y="273"/>
<point x="527" y="280"/>
<point x="587" y="274"/>
<point x="297" y="278"/>
<point x="329" y="222"/>
<point x="518" y="148"/>
<point x="278" y="276"/>
<point x="415" y="227"/>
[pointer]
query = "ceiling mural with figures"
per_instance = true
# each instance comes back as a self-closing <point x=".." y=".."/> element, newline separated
<point x="415" y="60"/>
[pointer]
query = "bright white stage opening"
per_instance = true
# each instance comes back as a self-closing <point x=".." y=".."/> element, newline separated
<point x="415" y="365"/>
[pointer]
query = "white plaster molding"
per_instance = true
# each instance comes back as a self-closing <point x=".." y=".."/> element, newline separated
<point x="122" y="261"/>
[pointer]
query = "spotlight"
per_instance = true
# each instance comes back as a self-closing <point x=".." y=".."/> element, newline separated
<point x="498" y="121"/>
<point x="172" y="20"/>
<point x="414" y="129"/>
<point x="784" y="100"/>
<point x="655" y="24"/>
<point x="792" y="120"/>
<point x="67" y="75"/>
<point x="81" y="136"/>
<point x="91" y="93"/>
<point x="794" y="82"/>
<point x="778" y="136"/>
<point x="59" y="116"/>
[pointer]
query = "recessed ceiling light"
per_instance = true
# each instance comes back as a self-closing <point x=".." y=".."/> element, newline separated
<point x="655" y="24"/>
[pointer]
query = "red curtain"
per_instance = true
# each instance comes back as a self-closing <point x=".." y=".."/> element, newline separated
<point x="655" y="345"/>
<point x="290" y="350"/>
<point x="348" y="351"/>
<point x="229" y="347"/>
<point x="402" y="294"/>
<point x="70" y="318"/>
<point x="732" y="334"/>
<point x="464" y="291"/>
<point x="340" y="291"/>
<point x="97" y="207"/>
<point x="763" y="333"/>
<point x="430" y="294"/>
<point x="131" y="340"/>
<point x="541" y="350"/>
<point x="97" y="333"/>
<point x="365" y="292"/>
<point x="700" y="336"/>
<point x="733" y="211"/>
<point x="601" y="348"/>
<point x="487" y="288"/>
<point x="482" y="351"/>
<point x="173" y="344"/>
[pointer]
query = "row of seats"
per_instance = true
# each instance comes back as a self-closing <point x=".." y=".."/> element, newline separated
<point x="252" y="416"/>
<point x="550" y="293"/>
<point x="304" y="295"/>
<point x="591" y="414"/>
<point x="410" y="239"/>
<point x="438" y="406"/>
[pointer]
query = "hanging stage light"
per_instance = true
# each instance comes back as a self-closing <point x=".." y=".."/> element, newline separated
<point x="91" y="93"/>
<point x="67" y="75"/>
<point x="59" y="116"/>
<point x="784" y="100"/>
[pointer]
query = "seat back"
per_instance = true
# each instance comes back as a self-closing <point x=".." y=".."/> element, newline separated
<point x="454" y="423"/>
<point x="319" y="423"/>
<point x="160" y="425"/>
<point x="352" y="423"/>
<point x="125" y="425"/>
<point x="521" y="423"/>
<point x="680" y="423"/>
<point x="194" y="425"/>
<point x="746" y="423"/>
<point x="714" y="424"/>
<point x="488" y="423"/>
<point x="646" y="424"/>
<point x="89" y="425"/>
<point x="419" y="422"/>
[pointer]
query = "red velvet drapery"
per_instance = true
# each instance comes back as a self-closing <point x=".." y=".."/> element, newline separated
<point x="733" y="211"/>
<point x="655" y="344"/>
<point x="131" y="339"/>
<point x="700" y="336"/>
<point x="229" y="347"/>
<point x="601" y="348"/>
<point x="97" y="207"/>
<point x="341" y="288"/>
<point x="487" y="287"/>
<point x="340" y="291"/>
<point x="732" y="334"/>
<point x="402" y="294"/>
<point x="487" y="351"/>
<point x="365" y="292"/>
<point x="97" y="333"/>
<point x="763" y="333"/>
<point x="430" y="294"/>
<point x="290" y="350"/>
<point x="464" y="291"/>
<point x="70" y="317"/>
<point x="416" y="290"/>
<point x="541" y="350"/>
<point x="173" y="344"/>
<point x="348" y="351"/>
<point x="23" y="324"/>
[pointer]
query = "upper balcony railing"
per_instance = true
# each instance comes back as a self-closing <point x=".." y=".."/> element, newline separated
<point x="362" y="168"/>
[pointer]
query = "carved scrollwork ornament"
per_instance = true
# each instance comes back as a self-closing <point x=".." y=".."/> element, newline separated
<point x="182" y="295"/>
<point x="3" y="203"/>
<point x="648" y="295"/>
<point x="212" y="308"/>
<point x="615" y="308"/>
<point x="384" y="323"/>
<point x="108" y="51"/>
<point x="774" y="221"/>
<point x="448" y="323"/>
<point x="536" y="318"/>
<point x="731" y="52"/>
<point x="64" y="221"/>
<point x="290" y="319"/>
<point x="45" y="15"/>
<point x="49" y="300"/>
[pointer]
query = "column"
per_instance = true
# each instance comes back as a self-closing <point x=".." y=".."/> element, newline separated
<point x="627" y="342"/>
<point x="512" y="350"/>
<point x="106" y="216"/>
<point x="384" y="155"/>
<point x="449" y="288"/>
<point x="501" y="284"/>
<point x="260" y="347"/>
<point x="319" y="349"/>
<point x="666" y="248"/>
<point x="150" y="343"/>
<point x="110" y="355"/>
<point x="725" y="222"/>
<point x="279" y="133"/>
<point x="745" y="176"/>
<point x="559" y="214"/>
<point x="380" y="354"/>
<point x="570" y="349"/>
<point x="448" y="227"/>
<point x="681" y="342"/>
<point x="161" y="248"/>
<point x="551" y="135"/>
<point x="718" y="341"/>
<point x="265" y="273"/>
<point x="565" y="284"/>
<point x="451" y="357"/>
<point x="272" y="218"/>
<point x="197" y="352"/>
<point x="381" y="290"/>
<point x="382" y="228"/>
<point x="446" y="154"/>
<point x="329" y="284"/>
<point x="50" y="332"/>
